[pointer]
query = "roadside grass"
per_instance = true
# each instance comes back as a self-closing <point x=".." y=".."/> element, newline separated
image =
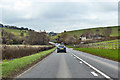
<point x="106" y="53"/>
<point x="69" y="46"/>
<point x="15" y="65"/>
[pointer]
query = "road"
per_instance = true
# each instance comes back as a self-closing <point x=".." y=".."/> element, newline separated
<point x="66" y="65"/>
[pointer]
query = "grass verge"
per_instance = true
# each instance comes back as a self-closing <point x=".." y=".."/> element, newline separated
<point x="69" y="46"/>
<point x="105" y="53"/>
<point x="12" y="67"/>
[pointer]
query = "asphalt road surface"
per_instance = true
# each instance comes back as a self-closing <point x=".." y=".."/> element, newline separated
<point x="66" y="65"/>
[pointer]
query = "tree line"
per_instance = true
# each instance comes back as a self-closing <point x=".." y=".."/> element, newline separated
<point x="14" y="27"/>
<point x="97" y="35"/>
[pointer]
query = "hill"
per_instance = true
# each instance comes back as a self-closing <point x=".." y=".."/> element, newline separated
<point x="15" y="35"/>
<point x="78" y="33"/>
<point x="16" y="32"/>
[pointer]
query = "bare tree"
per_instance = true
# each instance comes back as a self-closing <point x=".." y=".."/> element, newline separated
<point x="35" y="38"/>
<point x="22" y="34"/>
<point x="107" y="31"/>
<point x="97" y="31"/>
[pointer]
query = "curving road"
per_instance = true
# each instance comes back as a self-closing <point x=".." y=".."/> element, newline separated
<point x="66" y="65"/>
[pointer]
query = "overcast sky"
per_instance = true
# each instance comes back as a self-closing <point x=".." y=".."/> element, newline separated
<point x="58" y="15"/>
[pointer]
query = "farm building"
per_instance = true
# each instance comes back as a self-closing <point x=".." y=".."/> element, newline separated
<point x="85" y="37"/>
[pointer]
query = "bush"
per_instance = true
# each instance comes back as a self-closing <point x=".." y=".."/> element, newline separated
<point x="36" y="38"/>
<point x="15" y="51"/>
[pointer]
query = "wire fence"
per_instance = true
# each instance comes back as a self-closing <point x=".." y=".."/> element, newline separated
<point x="105" y="45"/>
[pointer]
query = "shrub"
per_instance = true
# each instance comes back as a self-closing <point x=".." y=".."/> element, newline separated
<point x="17" y="51"/>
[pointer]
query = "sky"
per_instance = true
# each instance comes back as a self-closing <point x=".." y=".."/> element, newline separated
<point x="59" y="15"/>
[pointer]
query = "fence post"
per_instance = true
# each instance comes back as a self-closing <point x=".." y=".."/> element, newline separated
<point x="118" y="44"/>
<point x="104" y="46"/>
<point x="112" y="43"/>
<point x="107" y="45"/>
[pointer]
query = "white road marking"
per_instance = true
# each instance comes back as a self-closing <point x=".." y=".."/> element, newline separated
<point x="102" y="62"/>
<point x="94" y="74"/>
<point x="103" y="74"/>
<point x="80" y="62"/>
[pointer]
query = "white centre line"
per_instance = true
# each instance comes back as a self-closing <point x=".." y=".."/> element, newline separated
<point x="94" y="74"/>
<point x="103" y="74"/>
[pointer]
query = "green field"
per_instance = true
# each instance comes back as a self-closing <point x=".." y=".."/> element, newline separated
<point x="16" y="32"/>
<point x="78" y="33"/>
<point x="15" y="65"/>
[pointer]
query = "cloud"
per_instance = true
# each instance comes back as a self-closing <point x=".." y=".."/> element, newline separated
<point x="19" y="6"/>
<point x="57" y="16"/>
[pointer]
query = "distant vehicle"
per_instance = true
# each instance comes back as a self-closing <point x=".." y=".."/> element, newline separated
<point x="82" y="42"/>
<point x="56" y="44"/>
<point x="61" y="48"/>
<point x="62" y="43"/>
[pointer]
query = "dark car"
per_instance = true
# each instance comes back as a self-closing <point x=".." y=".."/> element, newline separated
<point x="61" y="48"/>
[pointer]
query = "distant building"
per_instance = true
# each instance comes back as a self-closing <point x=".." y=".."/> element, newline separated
<point x="85" y="37"/>
<point x="97" y="36"/>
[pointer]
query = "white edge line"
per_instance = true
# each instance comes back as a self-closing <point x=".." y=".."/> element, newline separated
<point x="106" y="76"/>
<point x="94" y="74"/>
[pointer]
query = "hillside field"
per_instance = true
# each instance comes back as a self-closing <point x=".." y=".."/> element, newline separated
<point x="78" y="33"/>
<point x="16" y="32"/>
